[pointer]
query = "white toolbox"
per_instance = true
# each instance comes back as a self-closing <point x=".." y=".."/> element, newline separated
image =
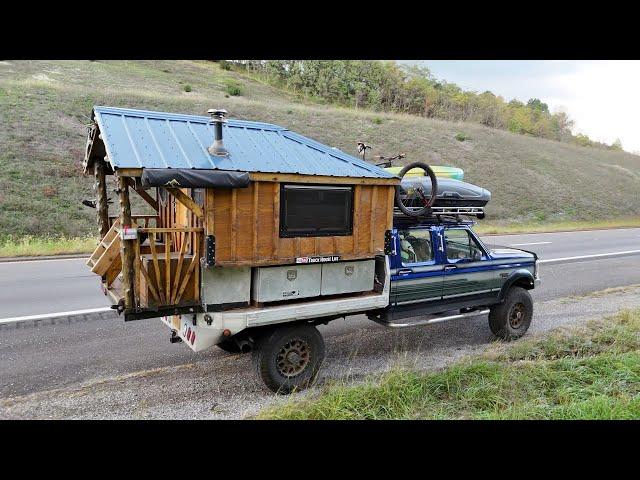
<point x="347" y="277"/>
<point x="272" y="284"/>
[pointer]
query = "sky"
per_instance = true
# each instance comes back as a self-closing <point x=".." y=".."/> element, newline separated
<point x="601" y="96"/>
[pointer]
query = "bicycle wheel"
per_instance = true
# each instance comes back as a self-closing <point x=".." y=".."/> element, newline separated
<point x="412" y="200"/>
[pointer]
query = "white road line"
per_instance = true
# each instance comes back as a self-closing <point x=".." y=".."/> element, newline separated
<point x="523" y="244"/>
<point x="13" y="262"/>
<point x="612" y="254"/>
<point x="54" y="315"/>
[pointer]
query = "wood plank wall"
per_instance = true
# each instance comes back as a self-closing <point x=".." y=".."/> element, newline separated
<point x="246" y="224"/>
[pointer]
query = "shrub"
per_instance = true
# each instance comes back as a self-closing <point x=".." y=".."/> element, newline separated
<point x="233" y="88"/>
<point x="461" y="137"/>
<point x="377" y="121"/>
<point x="187" y="88"/>
<point x="225" y="64"/>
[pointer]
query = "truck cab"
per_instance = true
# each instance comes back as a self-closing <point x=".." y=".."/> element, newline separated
<point x="437" y="267"/>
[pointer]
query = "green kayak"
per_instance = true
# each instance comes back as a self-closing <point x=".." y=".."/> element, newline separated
<point x="444" y="172"/>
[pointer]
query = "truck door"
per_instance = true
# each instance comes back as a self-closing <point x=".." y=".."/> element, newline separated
<point x="416" y="273"/>
<point x="466" y="273"/>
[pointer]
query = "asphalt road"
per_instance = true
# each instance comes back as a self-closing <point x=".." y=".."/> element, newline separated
<point x="109" y="369"/>
<point x="38" y="287"/>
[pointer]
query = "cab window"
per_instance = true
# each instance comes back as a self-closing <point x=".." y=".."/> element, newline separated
<point x="415" y="246"/>
<point x="461" y="245"/>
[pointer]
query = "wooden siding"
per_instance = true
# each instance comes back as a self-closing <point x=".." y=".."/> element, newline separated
<point x="246" y="223"/>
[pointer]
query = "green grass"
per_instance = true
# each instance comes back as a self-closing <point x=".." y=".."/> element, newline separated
<point x="44" y="107"/>
<point x="489" y="227"/>
<point x="29" y="246"/>
<point x="591" y="372"/>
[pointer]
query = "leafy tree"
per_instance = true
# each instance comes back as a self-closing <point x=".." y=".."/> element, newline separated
<point x="386" y="86"/>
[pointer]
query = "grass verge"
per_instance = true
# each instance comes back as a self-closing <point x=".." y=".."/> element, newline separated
<point x="592" y="372"/>
<point x="31" y="246"/>
<point x="489" y="227"/>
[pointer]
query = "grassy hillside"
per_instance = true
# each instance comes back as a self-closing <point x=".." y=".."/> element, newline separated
<point x="44" y="106"/>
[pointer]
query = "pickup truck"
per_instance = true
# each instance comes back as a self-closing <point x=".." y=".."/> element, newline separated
<point x="431" y="272"/>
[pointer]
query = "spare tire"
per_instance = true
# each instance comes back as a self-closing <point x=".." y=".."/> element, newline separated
<point x="422" y="204"/>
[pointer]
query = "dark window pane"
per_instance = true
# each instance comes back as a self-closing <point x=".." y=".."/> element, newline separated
<point x="415" y="246"/>
<point x="461" y="246"/>
<point x="310" y="210"/>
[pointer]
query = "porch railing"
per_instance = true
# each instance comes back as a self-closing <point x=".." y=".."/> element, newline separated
<point x="140" y="220"/>
<point x="168" y="271"/>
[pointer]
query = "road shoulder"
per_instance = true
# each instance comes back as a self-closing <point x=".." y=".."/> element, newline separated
<point x="221" y="385"/>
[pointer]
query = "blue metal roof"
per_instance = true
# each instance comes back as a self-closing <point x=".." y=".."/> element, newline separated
<point x="145" y="139"/>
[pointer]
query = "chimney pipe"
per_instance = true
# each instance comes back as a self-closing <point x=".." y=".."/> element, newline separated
<point x="217" y="117"/>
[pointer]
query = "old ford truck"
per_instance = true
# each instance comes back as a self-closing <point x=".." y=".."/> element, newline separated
<point x="253" y="235"/>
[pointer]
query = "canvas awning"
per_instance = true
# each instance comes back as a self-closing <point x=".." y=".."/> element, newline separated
<point x="193" y="178"/>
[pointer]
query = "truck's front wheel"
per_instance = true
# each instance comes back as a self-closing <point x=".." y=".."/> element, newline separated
<point x="288" y="358"/>
<point x="511" y="319"/>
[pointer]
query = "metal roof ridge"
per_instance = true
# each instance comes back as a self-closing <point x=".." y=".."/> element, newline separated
<point x="232" y="122"/>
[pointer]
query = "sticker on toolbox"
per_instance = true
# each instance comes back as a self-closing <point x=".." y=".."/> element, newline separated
<point x="320" y="259"/>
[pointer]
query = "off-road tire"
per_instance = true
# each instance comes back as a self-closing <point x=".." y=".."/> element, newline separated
<point x="434" y="190"/>
<point x="270" y="361"/>
<point x="229" y="346"/>
<point x="503" y="319"/>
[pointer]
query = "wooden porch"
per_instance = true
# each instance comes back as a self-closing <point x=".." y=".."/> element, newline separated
<point x="158" y="269"/>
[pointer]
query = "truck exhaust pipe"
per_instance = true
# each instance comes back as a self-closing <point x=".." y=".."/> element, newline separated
<point x="245" y="346"/>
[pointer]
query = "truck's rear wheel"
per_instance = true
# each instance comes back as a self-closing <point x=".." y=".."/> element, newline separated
<point x="288" y="358"/>
<point x="511" y="319"/>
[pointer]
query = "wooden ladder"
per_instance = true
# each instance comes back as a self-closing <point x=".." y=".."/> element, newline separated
<point x="107" y="254"/>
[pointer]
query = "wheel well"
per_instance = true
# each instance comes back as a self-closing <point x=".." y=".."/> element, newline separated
<point x="523" y="282"/>
<point x="253" y="333"/>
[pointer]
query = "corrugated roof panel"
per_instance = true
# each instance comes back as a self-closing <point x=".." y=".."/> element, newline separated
<point x="189" y="148"/>
<point x="145" y="139"/>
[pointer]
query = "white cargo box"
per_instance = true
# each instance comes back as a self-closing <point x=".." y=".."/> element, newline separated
<point x="347" y="277"/>
<point x="272" y="284"/>
<point x="225" y="287"/>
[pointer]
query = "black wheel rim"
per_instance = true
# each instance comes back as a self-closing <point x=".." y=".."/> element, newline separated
<point x="413" y="198"/>
<point x="293" y="358"/>
<point x="516" y="315"/>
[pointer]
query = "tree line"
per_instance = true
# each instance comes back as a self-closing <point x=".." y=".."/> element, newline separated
<point x="389" y="87"/>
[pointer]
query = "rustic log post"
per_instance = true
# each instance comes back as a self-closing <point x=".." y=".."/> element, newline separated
<point x="128" y="246"/>
<point x="101" y="198"/>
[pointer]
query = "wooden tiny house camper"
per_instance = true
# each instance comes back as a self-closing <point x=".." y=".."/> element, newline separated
<point x="226" y="194"/>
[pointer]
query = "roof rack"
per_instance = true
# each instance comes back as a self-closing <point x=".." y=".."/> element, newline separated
<point x="440" y="215"/>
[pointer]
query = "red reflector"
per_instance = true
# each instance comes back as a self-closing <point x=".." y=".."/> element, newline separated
<point x="226" y="332"/>
<point x="189" y="333"/>
<point x="193" y="337"/>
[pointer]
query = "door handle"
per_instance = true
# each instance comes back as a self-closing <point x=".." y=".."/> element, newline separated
<point x="404" y="271"/>
<point x="450" y="267"/>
